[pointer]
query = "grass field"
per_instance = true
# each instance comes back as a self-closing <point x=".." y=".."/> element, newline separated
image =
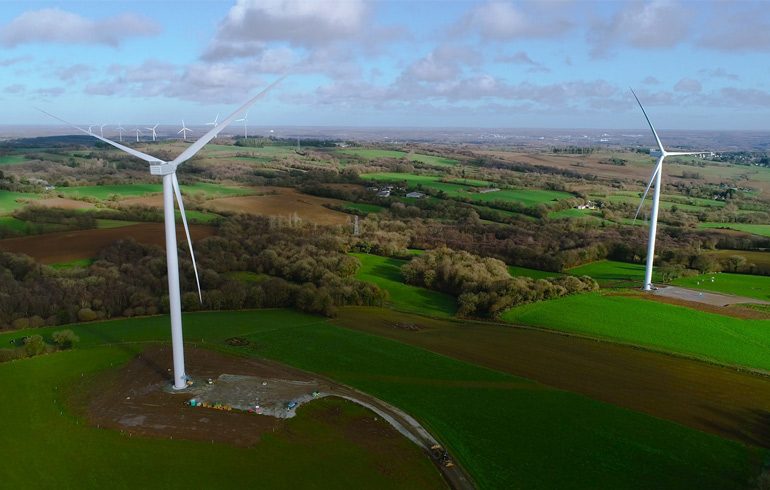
<point x="533" y="273"/>
<point x="618" y="274"/>
<point x="757" y="287"/>
<point x="763" y="230"/>
<point x="386" y="273"/>
<point x="588" y="214"/>
<point x="80" y="263"/>
<point x="648" y="323"/>
<point x="373" y="153"/>
<point x="102" y="192"/>
<point x="756" y="257"/>
<point x="8" y="200"/>
<point x="414" y="180"/>
<point x="508" y="432"/>
<point x="52" y="449"/>
<point x="12" y="159"/>
<point x="527" y="196"/>
<point x="13" y="223"/>
<point x="472" y="182"/>
<point x="433" y="160"/>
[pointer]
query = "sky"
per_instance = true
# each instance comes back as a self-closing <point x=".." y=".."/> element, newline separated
<point x="474" y="64"/>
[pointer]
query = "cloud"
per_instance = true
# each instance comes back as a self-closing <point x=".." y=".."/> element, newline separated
<point x="501" y="21"/>
<point x="74" y="72"/>
<point x="718" y="73"/>
<point x="16" y="88"/>
<point x="521" y="58"/>
<point x="688" y="85"/>
<point x="49" y="92"/>
<point x="17" y="59"/>
<point x="300" y="23"/>
<point x="737" y="27"/>
<point x="442" y="64"/>
<point x="650" y="80"/>
<point x="654" y="25"/>
<point x="53" y="25"/>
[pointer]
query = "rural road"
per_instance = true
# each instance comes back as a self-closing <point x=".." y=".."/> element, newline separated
<point x="409" y="427"/>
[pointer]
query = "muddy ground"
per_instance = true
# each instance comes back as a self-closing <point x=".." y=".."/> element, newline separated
<point x="53" y="248"/>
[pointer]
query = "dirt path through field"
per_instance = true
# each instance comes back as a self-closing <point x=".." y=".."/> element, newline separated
<point x="710" y="398"/>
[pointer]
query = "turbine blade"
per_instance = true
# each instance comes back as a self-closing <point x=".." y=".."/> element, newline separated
<point x="195" y="147"/>
<point x="131" y="151"/>
<point x="652" y="178"/>
<point x="178" y="193"/>
<point x="657" y="140"/>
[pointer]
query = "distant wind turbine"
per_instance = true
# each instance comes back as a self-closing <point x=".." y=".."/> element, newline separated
<point x="91" y="126"/>
<point x="214" y="122"/>
<point x="656" y="176"/>
<point x="153" y="131"/>
<point x="101" y="129"/>
<point x="184" y="130"/>
<point x="170" y="190"/>
<point x="120" y="131"/>
<point x="137" y="133"/>
<point x="245" y="119"/>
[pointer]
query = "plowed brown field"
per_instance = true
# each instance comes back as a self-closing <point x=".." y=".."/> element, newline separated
<point x="73" y="245"/>
<point x="285" y="202"/>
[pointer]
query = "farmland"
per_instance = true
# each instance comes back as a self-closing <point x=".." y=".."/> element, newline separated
<point x="763" y="230"/>
<point x="473" y="409"/>
<point x="613" y="273"/>
<point x="757" y="287"/>
<point x="655" y="325"/>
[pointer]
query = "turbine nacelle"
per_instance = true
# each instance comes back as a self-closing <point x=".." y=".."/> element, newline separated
<point x="162" y="168"/>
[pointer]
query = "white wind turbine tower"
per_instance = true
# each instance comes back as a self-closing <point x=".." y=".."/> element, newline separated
<point x="120" y="131"/>
<point x="656" y="176"/>
<point x="153" y="131"/>
<point x="137" y="133"/>
<point x="101" y="129"/>
<point x="214" y="122"/>
<point x="184" y="130"/>
<point x="171" y="189"/>
<point x="91" y="126"/>
<point x="245" y="119"/>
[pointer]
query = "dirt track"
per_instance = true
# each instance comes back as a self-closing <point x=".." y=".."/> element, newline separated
<point x="138" y="400"/>
<point x="711" y="298"/>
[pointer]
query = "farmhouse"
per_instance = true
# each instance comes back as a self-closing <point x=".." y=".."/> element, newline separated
<point x="383" y="193"/>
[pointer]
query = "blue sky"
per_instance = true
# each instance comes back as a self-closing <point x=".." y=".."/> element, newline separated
<point x="496" y="64"/>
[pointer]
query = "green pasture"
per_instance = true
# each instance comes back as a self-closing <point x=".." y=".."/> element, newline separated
<point x="529" y="197"/>
<point x="415" y="180"/>
<point x="102" y="192"/>
<point x="694" y="201"/>
<point x="433" y="160"/>
<point x="8" y="200"/>
<point x="9" y="159"/>
<point x="386" y="273"/>
<point x="506" y="431"/>
<point x="472" y="182"/>
<point x="610" y="272"/>
<point x="516" y="271"/>
<point x="648" y="203"/>
<point x="756" y="287"/>
<point x="366" y="208"/>
<point x="373" y="153"/>
<point x="763" y="230"/>
<point x="589" y="214"/>
<point x="47" y="447"/>
<point x="73" y="264"/>
<point x="513" y="433"/>
<point x="652" y="324"/>
<point x="13" y="223"/>
<point x="756" y="257"/>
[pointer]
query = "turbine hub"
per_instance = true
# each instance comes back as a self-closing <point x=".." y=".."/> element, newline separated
<point x="162" y="168"/>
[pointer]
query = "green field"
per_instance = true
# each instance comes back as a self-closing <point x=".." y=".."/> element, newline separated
<point x="415" y="180"/>
<point x="527" y="196"/>
<point x="588" y="214"/>
<point x="533" y="273"/>
<point x="366" y="208"/>
<point x="72" y="264"/>
<point x="13" y="223"/>
<point x="472" y="182"/>
<point x="8" y="200"/>
<point x="373" y="153"/>
<point x="763" y="230"/>
<point x="102" y="192"/>
<point x="648" y="323"/>
<point x="610" y="272"/>
<point x="12" y="159"/>
<point x="433" y="160"/>
<point x="386" y="273"/>
<point x="757" y="287"/>
<point x="53" y="449"/>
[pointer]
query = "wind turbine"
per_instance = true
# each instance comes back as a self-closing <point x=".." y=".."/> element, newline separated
<point x="171" y="189"/>
<point x="120" y="131"/>
<point x="184" y="130"/>
<point x="101" y="129"/>
<point x="137" y="133"/>
<point x="91" y="126"/>
<point x="153" y="131"/>
<point x="656" y="174"/>
<point x="214" y="122"/>
<point x="245" y="119"/>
